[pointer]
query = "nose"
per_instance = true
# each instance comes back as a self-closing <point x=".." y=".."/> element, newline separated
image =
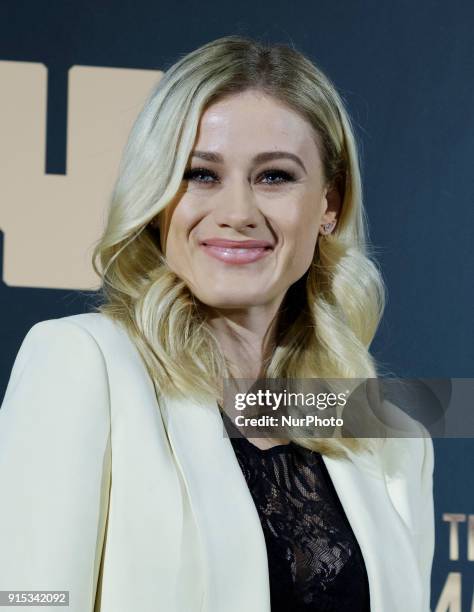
<point x="236" y="206"/>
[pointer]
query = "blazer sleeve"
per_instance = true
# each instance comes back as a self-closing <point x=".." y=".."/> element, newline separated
<point x="55" y="460"/>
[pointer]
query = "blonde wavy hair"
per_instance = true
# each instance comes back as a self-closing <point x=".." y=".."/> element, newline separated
<point x="329" y="317"/>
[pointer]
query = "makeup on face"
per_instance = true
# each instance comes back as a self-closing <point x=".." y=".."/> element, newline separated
<point x="246" y="223"/>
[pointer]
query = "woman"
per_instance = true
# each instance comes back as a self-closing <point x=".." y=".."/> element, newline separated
<point x="235" y="247"/>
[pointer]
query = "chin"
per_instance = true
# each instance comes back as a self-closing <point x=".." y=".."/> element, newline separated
<point x="229" y="301"/>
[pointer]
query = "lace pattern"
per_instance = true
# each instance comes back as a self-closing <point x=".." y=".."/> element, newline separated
<point x="315" y="563"/>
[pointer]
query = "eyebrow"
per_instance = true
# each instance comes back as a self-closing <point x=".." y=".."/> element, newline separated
<point x="258" y="159"/>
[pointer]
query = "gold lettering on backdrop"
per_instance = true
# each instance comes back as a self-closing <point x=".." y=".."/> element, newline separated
<point x="450" y="598"/>
<point x="51" y="222"/>
<point x="454" y="520"/>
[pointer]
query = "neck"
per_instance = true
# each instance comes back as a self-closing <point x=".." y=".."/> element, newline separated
<point x="246" y="337"/>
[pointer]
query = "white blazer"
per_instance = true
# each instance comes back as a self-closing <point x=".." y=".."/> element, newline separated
<point x="134" y="502"/>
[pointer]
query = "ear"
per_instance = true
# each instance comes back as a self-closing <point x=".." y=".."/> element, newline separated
<point x="333" y="205"/>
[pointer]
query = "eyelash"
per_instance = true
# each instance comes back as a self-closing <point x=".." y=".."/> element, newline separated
<point x="287" y="176"/>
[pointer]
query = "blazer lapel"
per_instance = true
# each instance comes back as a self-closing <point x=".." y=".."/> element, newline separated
<point x="233" y="545"/>
<point x="383" y="538"/>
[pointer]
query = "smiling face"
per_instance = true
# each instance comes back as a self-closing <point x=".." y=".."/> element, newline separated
<point x="255" y="174"/>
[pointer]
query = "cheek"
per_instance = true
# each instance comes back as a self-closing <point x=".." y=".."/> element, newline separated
<point x="303" y="251"/>
<point x="300" y="234"/>
<point x="178" y="224"/>
<point x="175" y="249"/>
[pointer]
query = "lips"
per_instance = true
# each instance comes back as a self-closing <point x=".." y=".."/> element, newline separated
<point x="236" y="252"/>
<point x="237" y="244"/>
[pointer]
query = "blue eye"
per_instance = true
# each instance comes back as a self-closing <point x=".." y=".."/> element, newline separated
<point x="193" y="174"/>
<point x="286" y="177"/>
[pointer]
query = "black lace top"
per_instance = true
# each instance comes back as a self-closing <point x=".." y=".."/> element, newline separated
<point x="315" y="563"/>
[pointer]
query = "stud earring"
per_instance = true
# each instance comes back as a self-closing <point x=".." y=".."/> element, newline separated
<point x="328" y="227"/>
